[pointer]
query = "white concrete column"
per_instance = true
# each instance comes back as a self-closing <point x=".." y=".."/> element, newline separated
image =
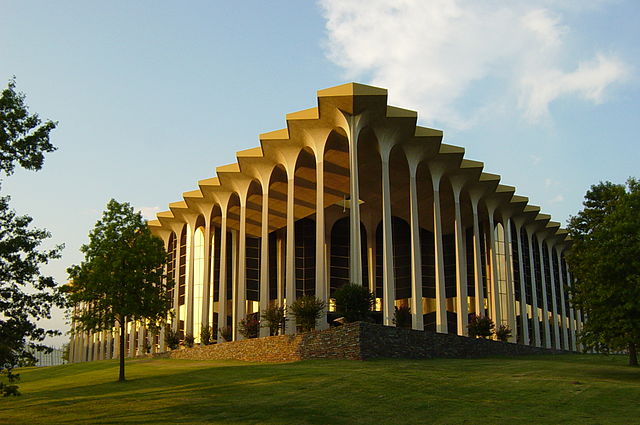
<point x="85" y="347"/>
<point x="462" y="311"/>
<point x="189" y="278"/>
<point x="554" y="302"/>
<point x="477" y="256"/>
<point x="96" y="346"/>
<point x="132" y="338"/>
<point x="264" y="256"/>
<point x="534" y="291"/>
<point x="77" y="357"/>
<point x="495" y="292"/>
<point x="162" y="345"/>
<point x="321" y="284"/>
<point x="563" y="301"/>
<point x="355" y="253"/>
<point x="79" y="347"/>
<point x="110" y="344"/>
<point x="234" y="283"/>
<point x="511" y="296"/>
<point x="417" y="315"/>
<point x="92" y="347"/>
<point x="524" y="316"/>
<point x="290" y="280"/>
<point x="388" y="278"/>
<point x="103" y="345"/>
<point x="222" y="281"/>
<point x="441" y="295"/>
<point x="241" y="303"/>
<point x="545" y="307"/>
<point x="116" y="341"/>
<point x="206" y="275"/>
<point x="72" y="347"/>
<point x="141" y="339"/>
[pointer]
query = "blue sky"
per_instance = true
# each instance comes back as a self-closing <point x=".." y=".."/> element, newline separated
<point x="152" y="96"/>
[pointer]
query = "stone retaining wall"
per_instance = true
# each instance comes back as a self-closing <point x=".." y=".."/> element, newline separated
<point x="356" y="341"/>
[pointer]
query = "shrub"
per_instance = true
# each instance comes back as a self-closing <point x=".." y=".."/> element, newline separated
<point x="354" y="302"/>
<point x="249" y="326"/>
<point x="480" y="327"/>
<point x="274" y="318"/>
<point x="402" y="316"/>
<point x="189" y="340"/>
<point x="226" y="333"/>
<point x="206" y="335"/>
<point x="503" y="333"/>
<point x="171" y="338"/>
<point x="307" y="310"/>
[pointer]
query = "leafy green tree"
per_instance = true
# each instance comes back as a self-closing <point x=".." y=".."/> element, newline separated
<point x="605" y="262"/>
<point x="402" y="316"/>
<point x="274" y="318"/>
<point x="121" y="278"/>
<point x="503" y="333"/>
<point x="480" y="327"/>
<point x="26" y="295"/>
<point x="23" y="137"/>
<point x="206" y="335"/>
<point x="307" y="310"/>
<point x="250" y="326"/>
<point x="354" y="302"/>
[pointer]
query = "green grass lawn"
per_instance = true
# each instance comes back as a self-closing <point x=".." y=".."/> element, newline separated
<point x="580" y="389"/>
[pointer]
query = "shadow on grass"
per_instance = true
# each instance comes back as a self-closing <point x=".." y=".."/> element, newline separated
<point x="213" y="394"/>
<point x="322" y="391"/>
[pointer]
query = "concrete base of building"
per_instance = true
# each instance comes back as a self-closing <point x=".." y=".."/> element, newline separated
<point x="357" y="341"/>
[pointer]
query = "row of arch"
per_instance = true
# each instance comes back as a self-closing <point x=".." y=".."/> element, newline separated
<point x="408" y="218"/>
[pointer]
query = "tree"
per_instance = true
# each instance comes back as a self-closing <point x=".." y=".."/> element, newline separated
<point x="121" y="278"/>
<point x="402" y="316"/>
<point x="26" y="295"/>
<point x="23" y="137"/>
<point x="480" y="327"/>
<point x="605" y="265"/>
<point x="274" y="318"/>
<point x="354" y="302"/>
<point x="503" y="333"/>
<point x="307" y="310"/>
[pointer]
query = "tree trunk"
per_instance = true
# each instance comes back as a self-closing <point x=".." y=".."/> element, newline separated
<point x="633" y="355"/>
<point x="122" y="341"/>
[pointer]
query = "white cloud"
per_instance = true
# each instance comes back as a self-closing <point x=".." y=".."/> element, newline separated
<point x="431" y="54"/>
<point x="556" y="199"/>
<point x="589" y="81"/>
<point x="535" y="159"/>
<point x="148" y="213"/>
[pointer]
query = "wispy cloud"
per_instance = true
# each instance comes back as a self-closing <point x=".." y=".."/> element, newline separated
<point x="431" y="54"/>
<point x="556" y="199"/>
<point x="148" y="212"/>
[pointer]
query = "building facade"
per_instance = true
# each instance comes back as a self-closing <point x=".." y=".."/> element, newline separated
<point x="353" y="190"/>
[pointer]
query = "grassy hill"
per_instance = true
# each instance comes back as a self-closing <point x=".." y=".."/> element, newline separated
<point x="580" y="389"/>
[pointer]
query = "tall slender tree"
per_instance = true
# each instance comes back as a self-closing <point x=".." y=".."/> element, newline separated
<point x="26" y="295"/>
<point x="605" y="263"/>
<point x="121" y="278"/>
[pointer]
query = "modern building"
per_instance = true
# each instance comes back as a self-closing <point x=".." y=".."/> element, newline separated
<point x="353" y="190"/>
